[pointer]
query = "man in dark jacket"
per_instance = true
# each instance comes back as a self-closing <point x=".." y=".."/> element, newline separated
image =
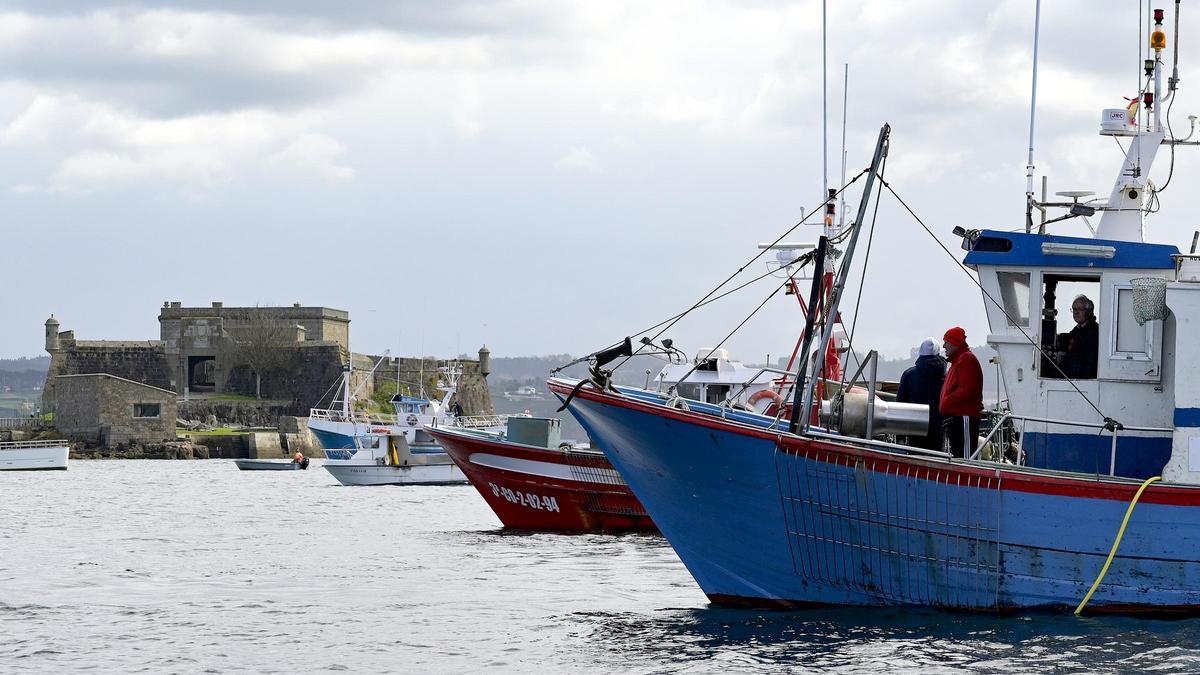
<point x="961" y="403"/>
<point x="1083" y="343"/>
<point x="922" y="384"/>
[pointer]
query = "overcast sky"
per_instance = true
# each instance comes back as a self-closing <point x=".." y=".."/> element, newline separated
<point x="542" y="177"/>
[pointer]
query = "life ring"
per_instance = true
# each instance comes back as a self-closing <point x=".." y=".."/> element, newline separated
<point x="765" y="394"/>
<point x="412" y="420"/>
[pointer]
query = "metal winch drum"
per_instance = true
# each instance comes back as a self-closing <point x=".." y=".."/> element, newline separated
<point x="848" y="414"/>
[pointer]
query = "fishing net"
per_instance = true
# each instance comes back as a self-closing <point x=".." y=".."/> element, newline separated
<point x="1149" y="299"/>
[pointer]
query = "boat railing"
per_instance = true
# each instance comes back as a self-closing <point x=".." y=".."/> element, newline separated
<point x="736" y="393"/>
<point x="21" y="423"/>
<point x="876" y="443"/>
<point x="333" y="415"/>
<point x="481" y="421"/>
<point x="25" y="445"/>
<point x="1008" y="420"/>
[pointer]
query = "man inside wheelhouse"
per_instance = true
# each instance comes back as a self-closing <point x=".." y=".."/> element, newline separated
<point x="1072" y="354"/>
<point x="1083" y="342"/>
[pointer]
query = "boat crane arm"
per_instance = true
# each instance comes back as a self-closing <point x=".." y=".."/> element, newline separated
<point x="386" y="353"/>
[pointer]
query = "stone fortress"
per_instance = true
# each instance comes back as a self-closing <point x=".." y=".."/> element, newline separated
<point x="241" y="365"/>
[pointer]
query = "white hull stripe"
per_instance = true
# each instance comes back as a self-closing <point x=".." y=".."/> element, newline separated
<point x="546" y="469"/>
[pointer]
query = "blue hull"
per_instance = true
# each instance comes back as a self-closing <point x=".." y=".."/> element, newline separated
<point x="765" y="518"/>
<point x="331" y="440"/>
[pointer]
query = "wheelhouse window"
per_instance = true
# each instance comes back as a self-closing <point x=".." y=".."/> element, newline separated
<point x="715" y="393"/>
<point x="147" y="410"/>
<point x="1014" y="296"/>
<point x="688" y="390"/>
<point x="1070" y="326"/>
<point x="1130" y="341"/>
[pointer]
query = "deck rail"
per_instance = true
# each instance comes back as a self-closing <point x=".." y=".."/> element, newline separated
<point x="1026" y="419"/>
<point x="333" y="415"/>
<point x="481" y="421"/>
<point x="22" y="423"/>
<point x="467" y="422"/>
<point x="25" y="445"/>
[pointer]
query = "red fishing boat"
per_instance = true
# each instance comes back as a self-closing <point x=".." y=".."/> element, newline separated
<point x="534" y="484"/>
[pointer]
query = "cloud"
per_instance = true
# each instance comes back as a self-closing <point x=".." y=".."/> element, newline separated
<point x="312" y="155"/>
<point x="465" y="110"/>
<point x="99" y="146"/>
<point x="170" y="62"/>
<point x="442" y="18"/>
<point x="578" y="159"/>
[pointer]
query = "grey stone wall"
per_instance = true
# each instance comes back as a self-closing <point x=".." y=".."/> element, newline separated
<point x="139" y="361"/>
<point x="310" y="371"/>
<point x="250" y="414"/>
<point x="101" y="409"/>
<point x="78" y="409"/>
<point x="320" y="323"/>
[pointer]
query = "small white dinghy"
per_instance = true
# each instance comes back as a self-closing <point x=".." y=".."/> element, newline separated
<point x="33" y="455"/>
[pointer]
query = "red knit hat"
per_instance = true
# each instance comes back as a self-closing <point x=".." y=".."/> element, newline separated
<point x="956" y="336"/>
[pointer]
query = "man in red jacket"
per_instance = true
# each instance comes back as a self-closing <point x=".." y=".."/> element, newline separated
<point x="961" y="403"/>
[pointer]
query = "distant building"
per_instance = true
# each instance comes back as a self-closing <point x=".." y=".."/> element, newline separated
<point x="203" y="345"/>
<point x="202" y="351"/>
<point x="95" y="387"/>
<point x="110" y="410"/>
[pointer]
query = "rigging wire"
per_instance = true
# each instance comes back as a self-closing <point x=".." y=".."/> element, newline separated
<point x="703" y="300"/>
<point x="1108" y="421"/>
<point x="866" y="258"/>
<point x="739" y="270"/>
<point x="800" y="261"/>
<point x="739" y="326"/>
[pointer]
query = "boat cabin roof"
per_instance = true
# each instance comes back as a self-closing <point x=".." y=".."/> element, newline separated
<point x="1019" y="249"/>
<point x="409" y="400"/>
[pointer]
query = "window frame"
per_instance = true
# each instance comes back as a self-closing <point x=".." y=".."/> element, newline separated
<point x="1147" y="329"/>
<point x="157" y="414"/>
<point x="1028" y="300"/>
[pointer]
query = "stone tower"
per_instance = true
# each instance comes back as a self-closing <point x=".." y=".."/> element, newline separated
<point x="52" y="334"/>
<point x="485" y="361"/>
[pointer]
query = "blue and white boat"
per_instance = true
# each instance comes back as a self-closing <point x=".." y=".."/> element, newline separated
<point x="1085" y="497"/>
<point x="341" y="431"/>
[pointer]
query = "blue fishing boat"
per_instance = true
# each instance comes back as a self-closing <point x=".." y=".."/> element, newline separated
<point x="1085" y="496"/>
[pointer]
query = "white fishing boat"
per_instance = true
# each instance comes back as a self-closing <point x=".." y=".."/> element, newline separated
<point x="341" y="432"/>
<point x="33" y="455"/>
<point x="383" y="459"/>
<point x="524" y="393"/>
<point x="714" y="377"/>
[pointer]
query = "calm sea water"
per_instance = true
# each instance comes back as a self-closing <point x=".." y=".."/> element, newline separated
<point x="144" y="566"/>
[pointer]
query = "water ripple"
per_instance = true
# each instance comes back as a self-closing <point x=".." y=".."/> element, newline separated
<point x="196" y="567"/>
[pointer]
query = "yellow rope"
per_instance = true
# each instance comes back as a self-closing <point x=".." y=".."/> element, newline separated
<point x="1116" y="543"/>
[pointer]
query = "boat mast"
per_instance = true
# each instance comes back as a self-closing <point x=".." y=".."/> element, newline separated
<point x="1124" y="217"/>
<point x="824" y="118"/>
<point x="346" y="385"/>
<point x="831" y="310"/>
<point x="1037" y="21"/>
<point x="842" y="193"/>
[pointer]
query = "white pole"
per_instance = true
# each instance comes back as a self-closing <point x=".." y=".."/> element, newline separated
<point x="845" y="93"/>
<point x="825" y="115"/>
<point x="1157" y="92"/>
<point x="1037" y="18"/>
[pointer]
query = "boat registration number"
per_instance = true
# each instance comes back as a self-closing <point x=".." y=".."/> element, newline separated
<point x="527" y="499"/>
